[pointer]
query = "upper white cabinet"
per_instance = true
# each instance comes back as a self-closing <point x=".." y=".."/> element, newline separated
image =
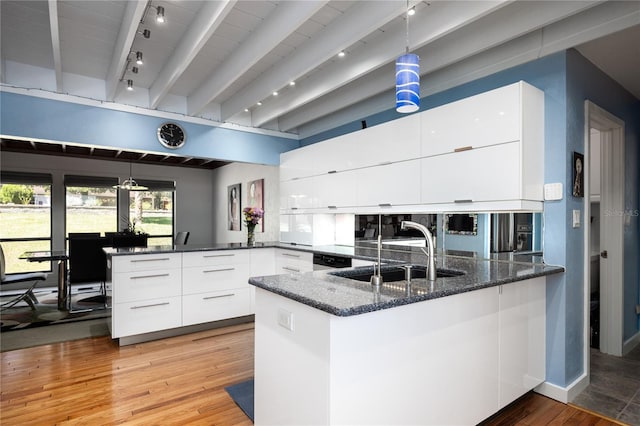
<point x="484" y="152"/>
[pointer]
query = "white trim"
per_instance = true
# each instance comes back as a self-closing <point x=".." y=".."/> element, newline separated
<point x="44" y="94"/>
<point x="630" y="344"/>
<point x="566" y="394"/>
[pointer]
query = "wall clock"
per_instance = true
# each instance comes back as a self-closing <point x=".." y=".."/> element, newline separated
<point x="171" y="135"/>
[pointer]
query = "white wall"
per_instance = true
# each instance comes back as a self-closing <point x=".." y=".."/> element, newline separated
<point x="244" y="173"/>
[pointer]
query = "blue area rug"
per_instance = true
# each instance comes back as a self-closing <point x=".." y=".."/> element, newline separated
<point x="242" y="394"/>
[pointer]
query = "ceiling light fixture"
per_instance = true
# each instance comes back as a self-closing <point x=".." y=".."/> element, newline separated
<point x="160" y="15"/>
<point x="292" y="83"/>
<point x="130" y="85"/>
<point x="407" y="78"/>
<point x="145" y="33"/>
<point x="275" y="93"/>
<point x="259" y="103"/>
<point x="341" y="54"/>
<point x="412" y="11"/>
<point x="139" y="58"/>
<point x="130" y="184"/>
<point x="134" y="70"/>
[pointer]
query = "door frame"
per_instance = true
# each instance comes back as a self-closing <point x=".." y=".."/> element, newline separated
<point x="612" y="173"/>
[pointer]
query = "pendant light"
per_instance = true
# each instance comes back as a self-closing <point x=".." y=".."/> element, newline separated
<point x="407" y="78"/>
<point x="130" y="184"/>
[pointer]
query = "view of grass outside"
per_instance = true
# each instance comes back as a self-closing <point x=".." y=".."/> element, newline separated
<point x="20" y="221"/>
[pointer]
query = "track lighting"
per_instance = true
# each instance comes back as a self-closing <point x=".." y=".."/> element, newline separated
<point x="134" y="70"/>
<point x="145" y="33"/>
<point x="341" y="54"/>
<point x="130" y="85"/>
<point x="139" y="58"/>
<point x="411" y="11"/>
<point x="160" y="15"/>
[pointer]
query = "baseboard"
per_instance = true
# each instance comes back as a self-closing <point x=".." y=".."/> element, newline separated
<point x="630" y="344"/>
<point x="564" y="394"/>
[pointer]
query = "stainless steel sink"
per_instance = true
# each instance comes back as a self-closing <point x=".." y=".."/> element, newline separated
<point x="391" y="273"/>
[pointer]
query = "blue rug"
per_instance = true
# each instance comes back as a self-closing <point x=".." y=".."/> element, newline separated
<point x="242" y="394"/>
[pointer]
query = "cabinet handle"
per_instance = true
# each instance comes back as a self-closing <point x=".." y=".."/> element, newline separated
<point x="384" y="205"/>
<point x="463" y="201"/>
<point x="332" y="171"/>
<point x="219" y="255"/>
<point x="219" y="270"/>
<point x="290" y="255"/>
<point x="149" y="276"/>
<point x="294" y="208"/>
<point x="218" y="297"/>
<point x="286" y="268"/>
<point x="149" y="306"/>
<point x="463" y="148"/>
<point x="150" y="260"/>
<point x="332" y="207"/>
<point x="384" y="163"/>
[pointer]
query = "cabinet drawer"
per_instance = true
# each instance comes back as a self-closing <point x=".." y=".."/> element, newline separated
<point x="146" y="316"/>
<point x="143" y="285"/>
<point x="292" y="261"/>
<point x="146" y="262"/>
<point x="218" y="257"/>
<point x="214" y="306"/>
<point x="389" y="185"/>
<point x="214" y="277"/>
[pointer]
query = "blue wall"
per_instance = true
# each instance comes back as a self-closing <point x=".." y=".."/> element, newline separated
<point x="53" y="120"/>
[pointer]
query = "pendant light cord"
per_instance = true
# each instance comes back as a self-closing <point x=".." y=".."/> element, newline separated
<point x="407" y="19"/>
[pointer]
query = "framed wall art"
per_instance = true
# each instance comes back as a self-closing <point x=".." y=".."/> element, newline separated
<point x="234" y="209"/>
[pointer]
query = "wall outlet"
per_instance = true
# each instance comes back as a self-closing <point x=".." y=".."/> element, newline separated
<point x="285" y="319"/>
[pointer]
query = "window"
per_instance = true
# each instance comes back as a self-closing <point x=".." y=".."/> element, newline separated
<point x="91" y="204"/>
<point x="25" y="218"/>
<point x="152" y="211"/>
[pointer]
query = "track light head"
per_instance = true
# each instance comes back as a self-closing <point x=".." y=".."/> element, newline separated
<point x="134" y="70"/>
<point x="139" y="58"/>
<point x="130" y="85"/>
<point x="160" y="15"/>
<point x="145" y="33"/>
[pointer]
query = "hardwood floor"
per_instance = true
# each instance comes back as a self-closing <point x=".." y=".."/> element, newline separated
<point x="179" y="380"/>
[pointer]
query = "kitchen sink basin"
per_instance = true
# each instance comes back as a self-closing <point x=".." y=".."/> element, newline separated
<point x="392" y="273"/>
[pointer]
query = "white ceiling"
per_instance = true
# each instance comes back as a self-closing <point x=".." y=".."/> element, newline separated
<point x="214" y="59"/>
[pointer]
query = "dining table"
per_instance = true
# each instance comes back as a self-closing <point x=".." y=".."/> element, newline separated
<point x="60" y="256"/>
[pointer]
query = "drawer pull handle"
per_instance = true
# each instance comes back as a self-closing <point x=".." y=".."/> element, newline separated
<point x="150" y="260"/>
<point x="463" y="148"/>
<point x="290" y="255"/>
<point x="384" y="163"/>
<point x="384" y="205"/>
<point x="218" y="297"/>
<point x="463" y="201"/>
<point x="219" y="255"/>
<point x="149" y="276"/>
<point x="294" y="208"/>
<point x="219" y="270"/>
<point x="332" y="207"/>
<point x="287" y="268"/>
<point x="149" y="306"/>
<point x="332" y="171"/>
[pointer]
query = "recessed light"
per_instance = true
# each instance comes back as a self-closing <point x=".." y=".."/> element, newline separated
<point x="292" y="83"/>
<point x="259" y="103"/>
<point x="246" y="110"/>
<point x="411" y="11"/>
<point x="275" y="93"/>
<point x="341" y="54"/>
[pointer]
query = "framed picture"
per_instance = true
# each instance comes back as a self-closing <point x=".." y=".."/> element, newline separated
<point x="578" y="175"/>
<point x="255" y="198"/>
<point x="234" y="208"/>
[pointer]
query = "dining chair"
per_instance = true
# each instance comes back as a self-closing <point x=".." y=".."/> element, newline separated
<point x="88" y="263"/>
<point x="182" y="237"/>
<point x="19" y="286"/>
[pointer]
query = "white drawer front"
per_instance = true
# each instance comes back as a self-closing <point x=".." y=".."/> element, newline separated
<point x="214" y="306"/>
<point x="146" y="316"/>
<point x="294" y="255"/>
<point x="218" y="257"/>
<point x="213" y="278"/>
<point x="146" y="262"/>
<point x="142" y="285"/>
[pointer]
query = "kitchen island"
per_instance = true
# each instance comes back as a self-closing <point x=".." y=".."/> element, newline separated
<point x="332" y="350"/>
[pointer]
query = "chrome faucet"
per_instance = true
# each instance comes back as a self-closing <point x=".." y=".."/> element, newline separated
<point x="376" y="278"/>
<point x="431" y="265"/>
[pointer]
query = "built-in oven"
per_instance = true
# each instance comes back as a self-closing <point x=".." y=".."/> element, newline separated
<point x="329" y="261"/>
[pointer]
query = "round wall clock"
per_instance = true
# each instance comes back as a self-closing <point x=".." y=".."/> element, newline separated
<point x="171" y="135"/>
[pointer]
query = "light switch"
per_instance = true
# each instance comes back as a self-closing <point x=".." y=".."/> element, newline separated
<point x="576" y="218"/>
<point x="553" y="191"/>
<point x="285" y="319"/>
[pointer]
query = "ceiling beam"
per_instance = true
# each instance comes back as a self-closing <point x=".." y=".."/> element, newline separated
<point x="498" y="28"/>
<point x="208" y="19"/>
<point x="55" y="42"/>
<point x="429" y="24"/>
<point x="357" y="22"/>
<point x="280" y="24"/>
<point x="130" y="21"/>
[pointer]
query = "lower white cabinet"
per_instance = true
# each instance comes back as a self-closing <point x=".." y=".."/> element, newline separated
<point x="293" y="261"/>
<point x="145" y="316"/>
<point x="213" y="306"/>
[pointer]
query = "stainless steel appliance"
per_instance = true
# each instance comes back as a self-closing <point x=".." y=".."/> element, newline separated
<point x="511" y="232"/>
<point x="327" y="261"/>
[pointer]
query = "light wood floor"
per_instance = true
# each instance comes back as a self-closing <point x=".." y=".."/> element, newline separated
<point x="179" y="380"/>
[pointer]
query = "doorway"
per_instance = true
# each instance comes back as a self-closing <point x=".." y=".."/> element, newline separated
<point x="604" y="244"/>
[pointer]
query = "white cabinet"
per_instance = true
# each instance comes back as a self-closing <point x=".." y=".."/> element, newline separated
<point x="334" y="190"/>
<point x="146" y="293"/>
<point x="296" y="194"/>
<point x="298" y="162"/>
<point x="215" y="285"/>
<point x="389" y="185"/>
<point x="293" y="261"/>
<point x="263" y="261"/>
<point x="522" y="338"/>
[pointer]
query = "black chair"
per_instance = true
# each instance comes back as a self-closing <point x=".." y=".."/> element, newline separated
<point x="129" y="240"/>
<point x="88" y="264"/>
<point x="182" y="237"/>
<point x="19" y="286"/>
<point x="84" y="235"/>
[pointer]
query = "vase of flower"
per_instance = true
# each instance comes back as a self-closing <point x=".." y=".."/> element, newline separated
<point x="252" y="216"/>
